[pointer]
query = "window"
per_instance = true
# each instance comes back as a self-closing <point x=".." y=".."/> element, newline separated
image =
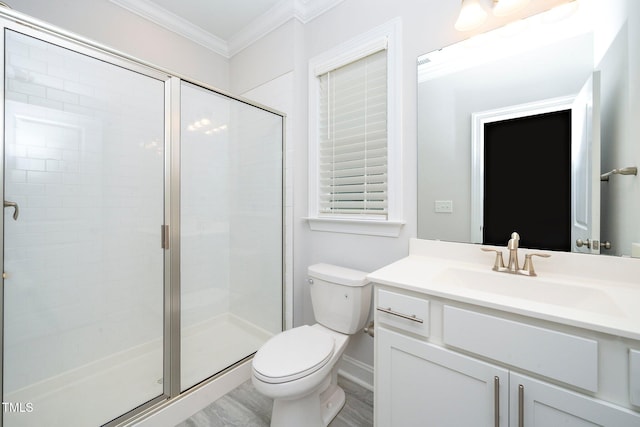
<point x="355" y="143"/>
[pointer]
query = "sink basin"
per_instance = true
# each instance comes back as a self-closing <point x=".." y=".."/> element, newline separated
<point x="533" y="289"/>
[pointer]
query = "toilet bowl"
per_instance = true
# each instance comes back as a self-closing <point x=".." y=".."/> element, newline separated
<point x="298" y="378"/>
<point x="298" y="368"/>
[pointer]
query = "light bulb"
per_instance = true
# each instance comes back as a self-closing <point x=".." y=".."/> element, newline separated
<point x="472" y="15"/>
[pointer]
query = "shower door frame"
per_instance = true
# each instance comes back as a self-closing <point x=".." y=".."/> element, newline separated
<point x="169" y="232"/>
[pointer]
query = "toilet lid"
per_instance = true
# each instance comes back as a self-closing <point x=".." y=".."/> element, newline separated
<point x="292" y="354"/>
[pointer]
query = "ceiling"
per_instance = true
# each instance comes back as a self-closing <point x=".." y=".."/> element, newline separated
<point x="225" y="26"/>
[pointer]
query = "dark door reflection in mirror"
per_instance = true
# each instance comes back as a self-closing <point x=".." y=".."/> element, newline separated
<point x="527" y="180"/>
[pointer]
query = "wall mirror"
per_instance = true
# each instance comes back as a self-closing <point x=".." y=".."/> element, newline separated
<point x="484" y="169"/>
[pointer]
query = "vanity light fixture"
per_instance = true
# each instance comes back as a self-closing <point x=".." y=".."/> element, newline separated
<point x="505" y="7"/>
<point x="472" y="15"/>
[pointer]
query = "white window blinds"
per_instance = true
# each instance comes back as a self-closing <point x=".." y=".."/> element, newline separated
<point x="353" y="139"/>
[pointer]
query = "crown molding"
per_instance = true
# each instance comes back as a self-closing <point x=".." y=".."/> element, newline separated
<point x="302" y="10"/>
<point x="279" y="14"/>
<point x="308" y="10"/>
<point x="172" y="22"/>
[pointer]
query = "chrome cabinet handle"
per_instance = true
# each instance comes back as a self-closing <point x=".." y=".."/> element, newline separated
<point x="520" y="405"/>
<point x="411" y="317"/>
<point x="496" y="401"/>
<point x="14" y="205"/>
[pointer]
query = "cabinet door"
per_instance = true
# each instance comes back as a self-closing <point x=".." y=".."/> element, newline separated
<point x="538" y="404"/>
<point x="419" y="384"/>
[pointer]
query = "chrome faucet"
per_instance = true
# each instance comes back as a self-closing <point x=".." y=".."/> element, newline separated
<point x="513" y="266"/>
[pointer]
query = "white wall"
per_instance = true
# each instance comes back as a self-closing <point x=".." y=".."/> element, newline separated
<point x="119" y="29"/>
<point x="266" y="59"/>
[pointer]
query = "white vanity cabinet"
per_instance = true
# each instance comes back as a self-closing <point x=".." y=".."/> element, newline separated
<point x="539" y="404"/>
<point x="421" y="384"/>
<point x="444" y="363"/>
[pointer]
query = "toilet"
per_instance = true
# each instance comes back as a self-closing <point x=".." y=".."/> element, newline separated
<point x="298" y="368"/>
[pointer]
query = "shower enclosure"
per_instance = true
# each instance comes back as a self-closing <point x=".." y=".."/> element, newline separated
<point x="142" y="232"/>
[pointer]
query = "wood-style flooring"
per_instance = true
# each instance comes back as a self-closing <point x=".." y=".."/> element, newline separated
<point x="245" y="407"/>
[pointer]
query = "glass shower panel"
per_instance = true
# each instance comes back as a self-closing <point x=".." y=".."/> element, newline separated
<point x="83" y="293"/>
<point x="231" y="231"/>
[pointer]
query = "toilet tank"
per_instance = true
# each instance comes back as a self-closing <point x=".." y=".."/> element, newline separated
<point x="340" y="297"/>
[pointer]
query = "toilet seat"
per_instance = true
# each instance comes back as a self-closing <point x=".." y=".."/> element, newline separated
<point x="293" y="354"/>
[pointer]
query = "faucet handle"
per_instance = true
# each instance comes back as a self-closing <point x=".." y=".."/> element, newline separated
<point x="527" y="268"/>
<point x="498" y="265"/>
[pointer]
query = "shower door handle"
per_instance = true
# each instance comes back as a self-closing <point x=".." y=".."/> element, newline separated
<point x="16" y="209"/>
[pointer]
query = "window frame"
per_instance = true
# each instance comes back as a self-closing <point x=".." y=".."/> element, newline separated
<point x="386" y="36"/>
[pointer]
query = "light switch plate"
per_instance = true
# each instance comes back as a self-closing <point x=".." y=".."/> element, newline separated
<point x="443" y="206"/>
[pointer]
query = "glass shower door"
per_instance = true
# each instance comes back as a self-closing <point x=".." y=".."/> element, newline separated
<point x="83" y="266"/>
<point x="231" y="231"/>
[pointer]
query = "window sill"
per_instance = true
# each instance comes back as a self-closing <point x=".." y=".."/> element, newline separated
<point x="356" y="226"/>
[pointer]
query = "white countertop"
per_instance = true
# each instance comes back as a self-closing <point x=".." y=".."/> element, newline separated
<point x="596" y="301"/>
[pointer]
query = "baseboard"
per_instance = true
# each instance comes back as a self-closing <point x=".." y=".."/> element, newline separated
<point x="356" y="371"/>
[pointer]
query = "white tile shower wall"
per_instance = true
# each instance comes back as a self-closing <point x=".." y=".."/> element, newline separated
<point x="84" y="161"/>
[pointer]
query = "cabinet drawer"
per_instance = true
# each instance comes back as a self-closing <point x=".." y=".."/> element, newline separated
<point x="403" y="311"/>
<point x="567" y="358"/>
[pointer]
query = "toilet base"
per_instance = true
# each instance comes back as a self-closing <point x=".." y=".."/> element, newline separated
<point x="317" y="409"/>
<point x="332" y="401"/>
